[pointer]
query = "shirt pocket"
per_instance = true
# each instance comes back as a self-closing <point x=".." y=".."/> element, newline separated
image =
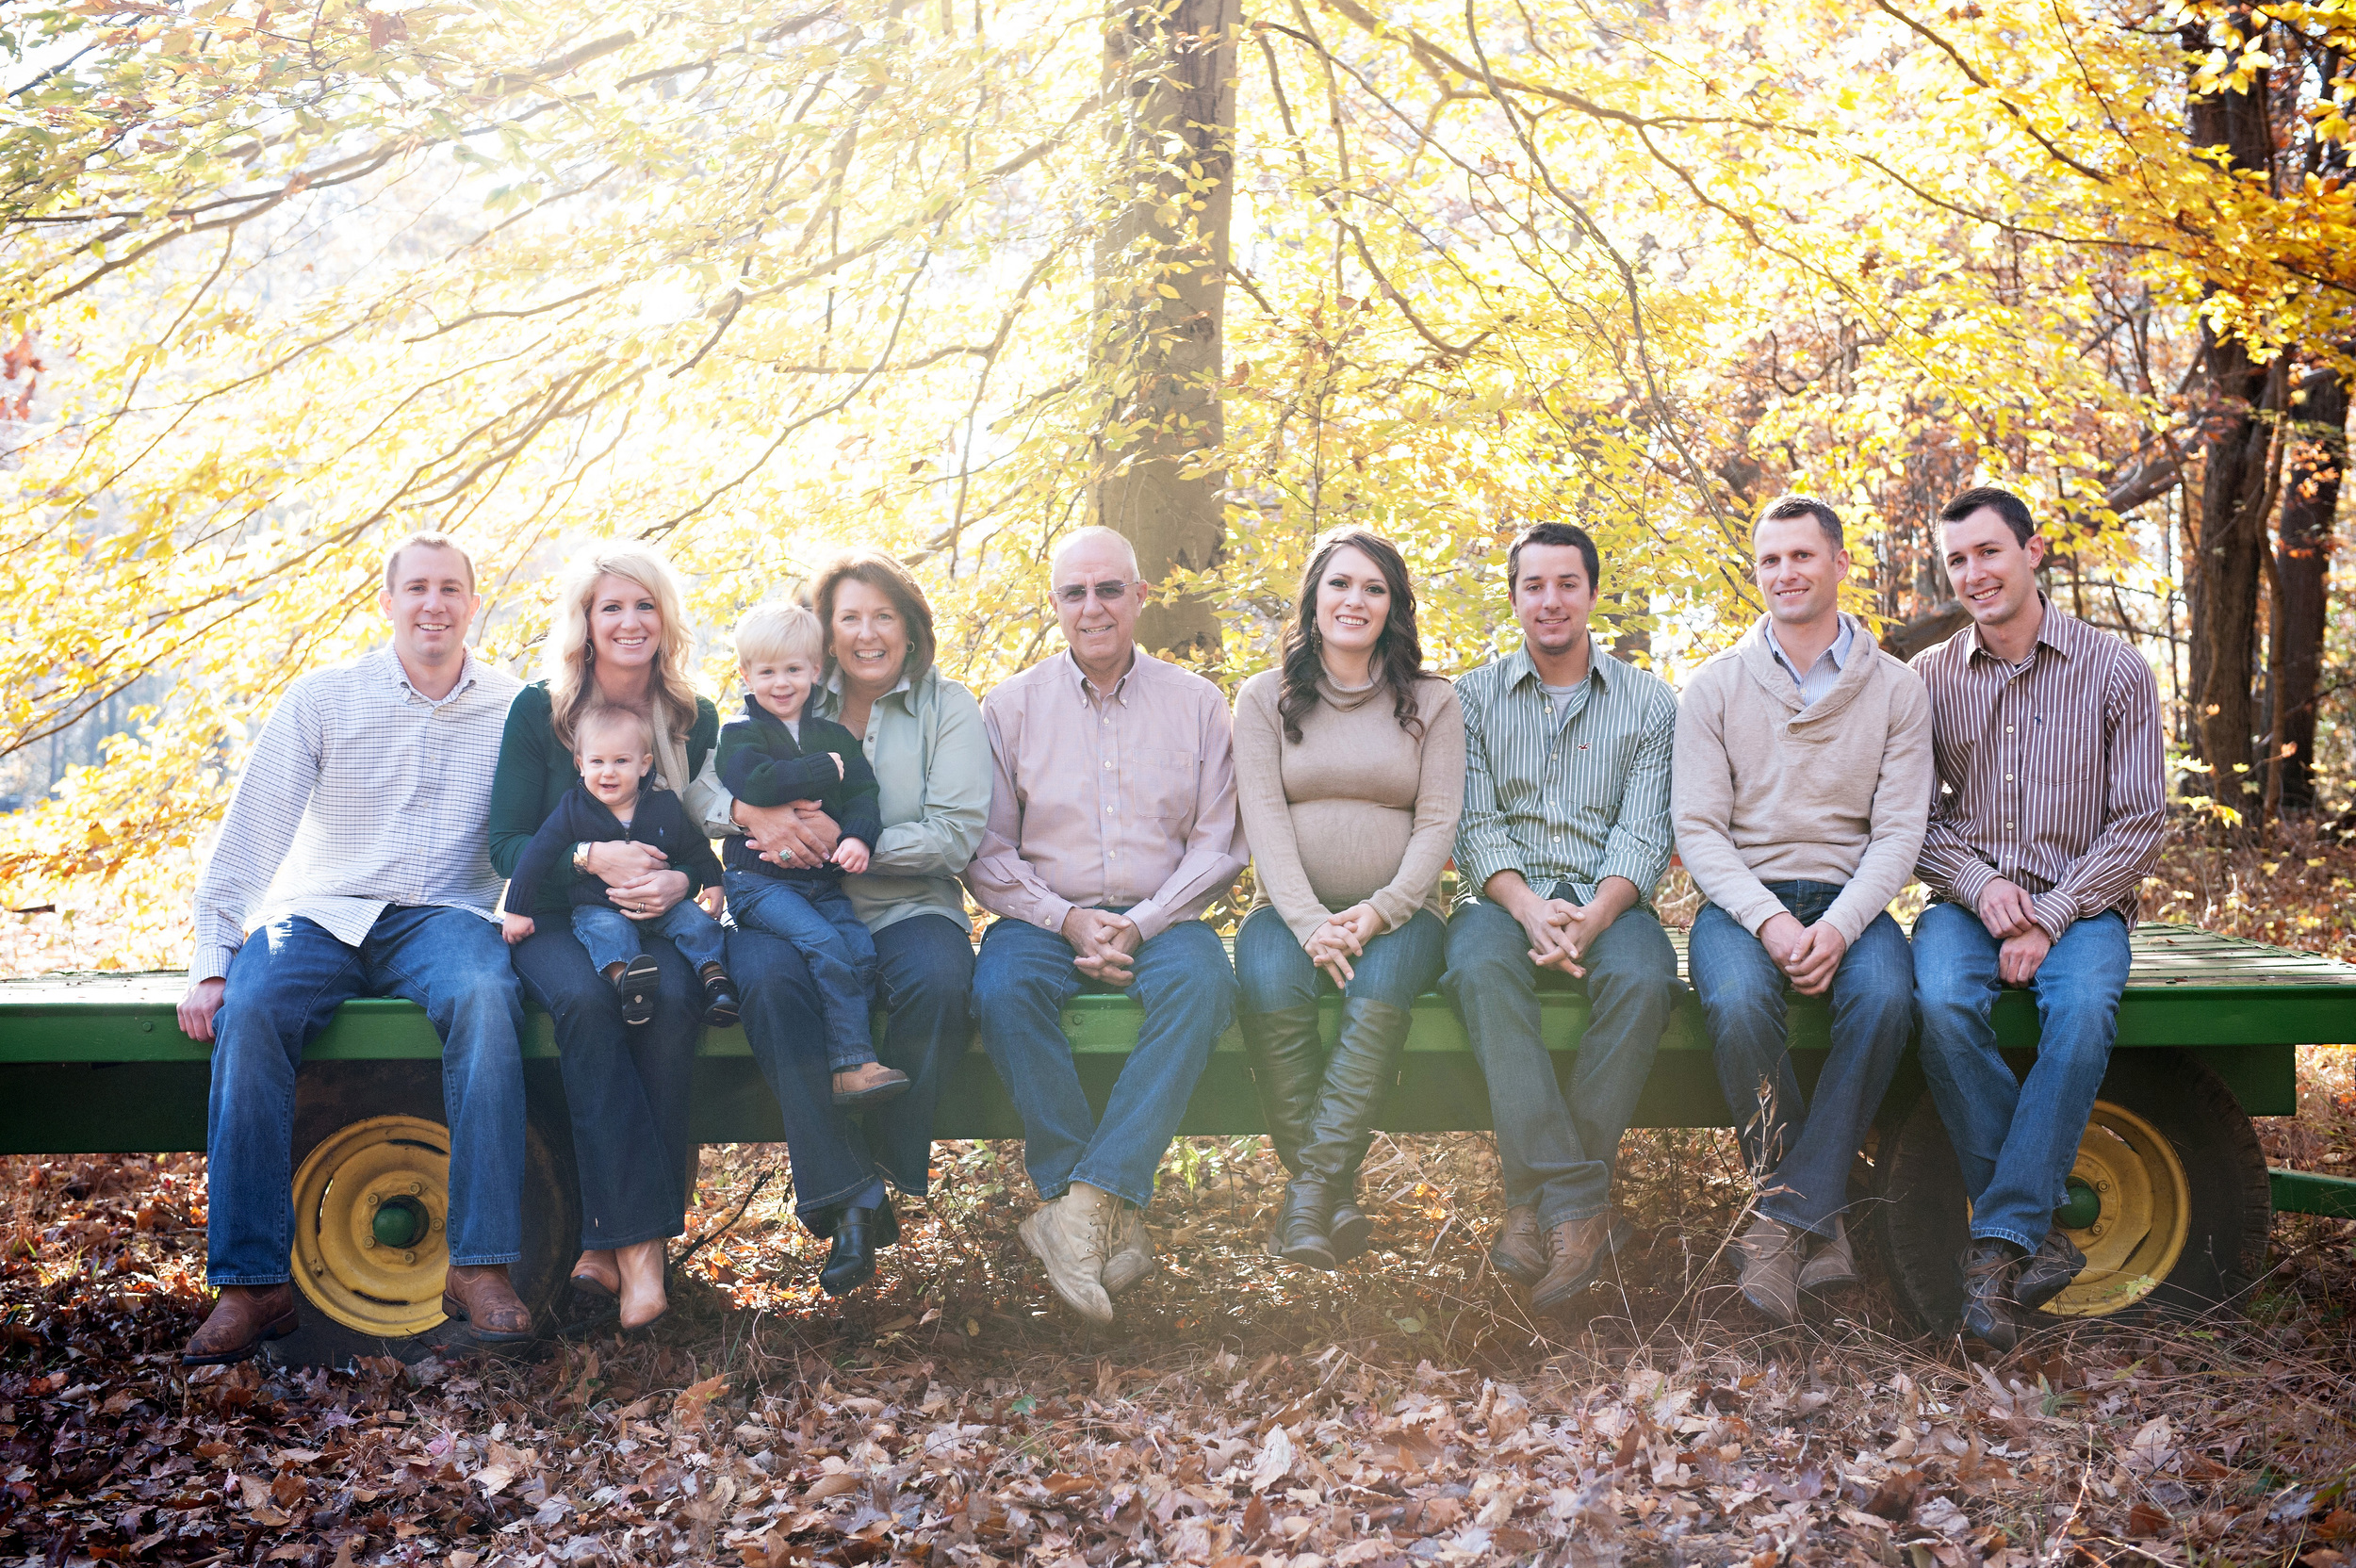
<point x="2062" y="754"/>
<point x="1162" y="783"/>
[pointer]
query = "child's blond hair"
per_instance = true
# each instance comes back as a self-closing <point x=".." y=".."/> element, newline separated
<point x="604" y="718"/>
<point x="771" y="632"/>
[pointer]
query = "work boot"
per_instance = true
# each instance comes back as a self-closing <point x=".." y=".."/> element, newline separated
<point x="1068" y="1236"/>
<point x="1771" y="1268"/>
<point x="1576" y="1251"/>
<point x="1990" y="1312"/>
<point x="1341" y="1124"/>
<point x="242" y="1317"/>
<point x="480" y="1295"/>
<point x="1832" y="1263"/>
<point x="1132" y="1257"/>
<point x="1519" y="1251"/>
<point x="2049" y="1270"/>
<point x="1304" y="1223"/>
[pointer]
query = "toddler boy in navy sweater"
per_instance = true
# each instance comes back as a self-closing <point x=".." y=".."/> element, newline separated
<point x="616" y="754"/>
<point x="777" y="752"/>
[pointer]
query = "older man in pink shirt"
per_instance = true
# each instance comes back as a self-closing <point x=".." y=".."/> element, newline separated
<point x="1112" y="826"/>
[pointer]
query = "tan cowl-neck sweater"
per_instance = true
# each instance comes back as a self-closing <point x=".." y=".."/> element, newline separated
<point x="1359" y="810"/>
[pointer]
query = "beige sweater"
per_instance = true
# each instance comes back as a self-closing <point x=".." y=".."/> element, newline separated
<point x="1767" y="791"/>
<point x="1359" y="811"/>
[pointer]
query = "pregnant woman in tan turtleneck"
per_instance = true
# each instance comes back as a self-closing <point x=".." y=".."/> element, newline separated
<point x="1350" y="767"/>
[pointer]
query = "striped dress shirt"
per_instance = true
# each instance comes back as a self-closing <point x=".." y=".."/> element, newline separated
<point x="362" y="792"/>
<point x="2051" y="774"/>
<point x="1571" y="791"/>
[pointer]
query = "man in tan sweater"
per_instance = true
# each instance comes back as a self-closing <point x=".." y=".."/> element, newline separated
<point x="1801" y="791"/>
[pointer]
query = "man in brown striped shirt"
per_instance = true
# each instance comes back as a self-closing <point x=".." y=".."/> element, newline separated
<point x="2049" y="810"/>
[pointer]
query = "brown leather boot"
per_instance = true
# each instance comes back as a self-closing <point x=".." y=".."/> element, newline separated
<point x="1519" y="1252"/>
<point x="1577" y="1250"/>
<point x="241" y="1318"/>
<point x="482" y="1296"/>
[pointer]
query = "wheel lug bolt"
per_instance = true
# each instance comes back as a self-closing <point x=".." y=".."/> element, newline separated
<point x="408" y="1257"/>
<point x="369" y="1243"/>
<point x="416" y="1189"/>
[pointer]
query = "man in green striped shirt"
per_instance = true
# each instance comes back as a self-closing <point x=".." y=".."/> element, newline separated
<point x="1565" y="833"/>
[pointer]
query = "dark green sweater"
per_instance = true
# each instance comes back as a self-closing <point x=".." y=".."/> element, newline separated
<point x="534" y="773"/>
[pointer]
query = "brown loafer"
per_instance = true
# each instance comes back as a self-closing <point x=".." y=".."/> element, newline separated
<point x="1519" y="1252"/>
<point x="241" y="1318"/>
<point x="1579" y="1248"/>
<point x="482" y="1296"/>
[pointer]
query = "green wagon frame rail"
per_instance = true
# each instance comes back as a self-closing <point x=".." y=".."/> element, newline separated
<point x="96" y="1063"/>
<point x="2171" y="1180"/>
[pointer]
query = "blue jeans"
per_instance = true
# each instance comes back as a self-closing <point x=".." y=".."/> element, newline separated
<point x="1273" y="972"/>
<point x="627" y="1090"/>
<point x="1804" y="1177"/>
<point x="1557" y="1152"/>
<point x="925" y="965"/>
<point x="1021" y="981"/>
<point x="612" y="937"/>
<point x="817" y="918"/>
<point x="831" y="1168"/>
<point x="284" y="985"/>
<point x="2016" y="1140"/>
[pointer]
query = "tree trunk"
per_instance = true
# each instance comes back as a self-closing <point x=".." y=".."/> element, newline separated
<point x="2237" y="448"/>
<point x="1161" y="261"/>
<point x="2304" y="568"/>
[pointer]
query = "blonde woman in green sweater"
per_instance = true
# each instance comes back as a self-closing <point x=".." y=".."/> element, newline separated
<point x="1350" y="772"/>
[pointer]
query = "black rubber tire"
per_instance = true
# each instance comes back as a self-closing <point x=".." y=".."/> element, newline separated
<point x="1920" y="1222"/>
<point x="331" y="1095"/>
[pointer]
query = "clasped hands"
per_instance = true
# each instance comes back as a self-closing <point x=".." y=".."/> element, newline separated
<point x="1560" y="931"/>
<point x="1103" y="945"/>
<point x="2005" y="910"/>
<point x="1810" y="955"/>
<point x="1340" y="938"/>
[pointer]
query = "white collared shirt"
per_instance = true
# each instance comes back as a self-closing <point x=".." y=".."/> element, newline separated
<point x="362" y="792"/>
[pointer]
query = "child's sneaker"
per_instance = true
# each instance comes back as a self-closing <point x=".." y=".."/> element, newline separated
<point x="720" y="1003"/>
<point x="634" y="983"/>
<point x="868" y="1084"/>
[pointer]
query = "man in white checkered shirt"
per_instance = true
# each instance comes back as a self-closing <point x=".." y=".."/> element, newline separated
<point x="354" y="851"/>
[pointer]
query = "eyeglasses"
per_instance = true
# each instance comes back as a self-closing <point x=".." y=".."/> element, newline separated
<point x="1077" y="593"/>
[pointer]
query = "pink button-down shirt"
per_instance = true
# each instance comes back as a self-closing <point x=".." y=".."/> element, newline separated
<point x="1105" y="802"/>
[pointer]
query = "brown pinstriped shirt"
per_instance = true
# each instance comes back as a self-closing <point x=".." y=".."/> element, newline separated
<point x="2051" y="776"/>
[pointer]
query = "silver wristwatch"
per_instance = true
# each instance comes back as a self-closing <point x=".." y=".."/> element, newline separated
<point x="580" y="857"/>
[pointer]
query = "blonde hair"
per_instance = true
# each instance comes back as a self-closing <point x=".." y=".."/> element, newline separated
<point x="770" y="632"/>
<point x="572" y="690"/>
<point x="600" y="718"/>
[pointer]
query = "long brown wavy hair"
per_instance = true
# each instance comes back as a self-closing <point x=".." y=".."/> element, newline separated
<point x="1397" y="657"/>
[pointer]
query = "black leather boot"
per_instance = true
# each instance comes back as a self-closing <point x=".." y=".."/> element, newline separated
<point x="1357" y="1076"/>
<point x="1302" y="1225"/>
<point x="1990" y="1314"/>
<point x="851" y="1259"/>
<point x="1286" y="1058"/>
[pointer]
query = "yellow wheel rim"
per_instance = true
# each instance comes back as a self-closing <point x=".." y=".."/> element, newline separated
<point x="371" y="1211"/>
<point x="2145" y="1208"/>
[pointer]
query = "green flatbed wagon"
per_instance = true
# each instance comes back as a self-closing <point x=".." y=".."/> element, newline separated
<point x="2170" y="1198"/>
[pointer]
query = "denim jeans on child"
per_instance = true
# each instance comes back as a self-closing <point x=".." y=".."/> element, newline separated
<point x="612" y="937"/>
<point x="1022" y="980"/>
<point x="1801" y="1150"/>
<point x="817" y="918"/>
<point x="2016" y="1140"/>
<point x="284" y="985"/>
